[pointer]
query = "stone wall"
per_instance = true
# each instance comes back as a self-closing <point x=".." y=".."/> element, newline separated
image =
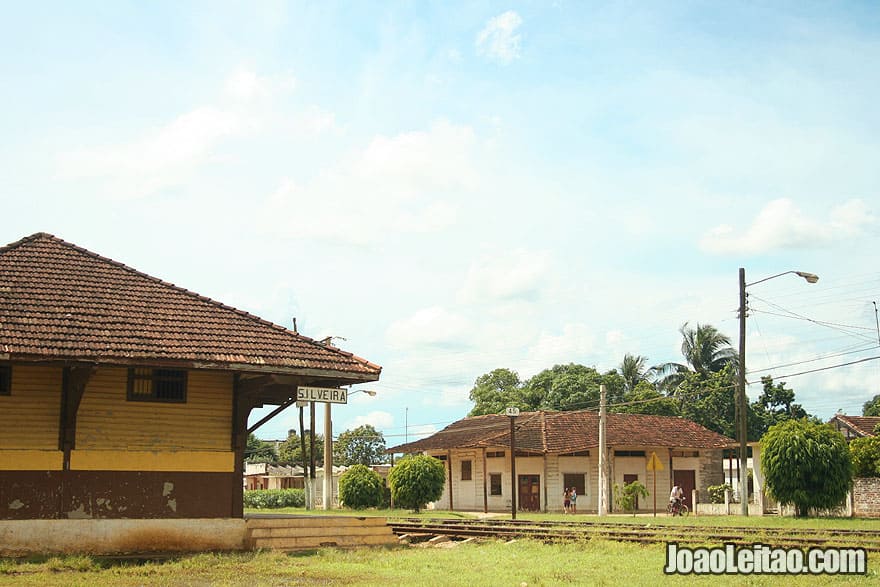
<point x="711" y="472"/>
<point x="866" y="497"/>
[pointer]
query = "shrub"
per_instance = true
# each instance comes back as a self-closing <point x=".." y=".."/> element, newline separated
<point x="263" y="499"/>
<point x="360" y="487"/>
<point x="626" y="496"/>
<point x="806" y="465"/>
<point x="865" y="454"/>
<point x="416" y="480"/>
<point x="716" y="492"/>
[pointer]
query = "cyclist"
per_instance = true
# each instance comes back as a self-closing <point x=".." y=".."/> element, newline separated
<point x="676" y="497"/>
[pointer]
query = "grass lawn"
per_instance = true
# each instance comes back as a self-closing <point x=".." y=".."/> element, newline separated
<point x="473" y="564"/>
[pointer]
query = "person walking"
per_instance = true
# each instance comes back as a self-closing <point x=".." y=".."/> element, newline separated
<point x="572" y="498"/>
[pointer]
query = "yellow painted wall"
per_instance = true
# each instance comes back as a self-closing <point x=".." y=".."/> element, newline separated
<point x="31" y="460"/>
<point x="29" y="416"/>
<point x="140" y="460"/>
<point x="107" y="421"/>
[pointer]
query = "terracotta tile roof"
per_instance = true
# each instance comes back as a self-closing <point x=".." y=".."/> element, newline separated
<point x="562" y="432"/>
<point x="61" y="302"/>
<point x="860" y="425"/>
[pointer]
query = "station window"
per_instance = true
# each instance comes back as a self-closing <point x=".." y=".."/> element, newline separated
<point x="5" y="379"/>
<point x="496" y="454"/>
<point x="629" y="453"/>
<point x="466" y="473"/>
<point x="494" y="483"/>
<point x="576" y="480"/>
<point x="156" y="385"/>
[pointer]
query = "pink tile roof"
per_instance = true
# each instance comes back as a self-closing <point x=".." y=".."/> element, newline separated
<point x="61" y="302"/>
<point x="562" y="432"/>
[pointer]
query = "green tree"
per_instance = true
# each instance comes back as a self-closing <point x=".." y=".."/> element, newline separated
<point x="709" y="400"/>
<point x="872" y="407"/>
<point x="290" y="451"/>
<point x="775" y="405"/>
<point x="644" y="399"/>
<point x="497" y="390"/>
<point x="574" y="387"/>
<point x="364" y="445"/>
<point x="259" y="451"/>
<point x="360" y="487"/>
<point x="865" y="454"/>
<point x="705" y="351"/>
<point x="806" y="464"/>
<point x="416" y="480"/>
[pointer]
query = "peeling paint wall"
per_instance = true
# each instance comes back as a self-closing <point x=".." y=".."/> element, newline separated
<point x="114" y="494"/>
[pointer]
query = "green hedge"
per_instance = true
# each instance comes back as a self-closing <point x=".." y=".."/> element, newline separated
<point x="274" y="498"/>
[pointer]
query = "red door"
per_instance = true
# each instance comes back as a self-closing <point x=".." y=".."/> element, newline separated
<point x="686" y="479"/>
<point x="530" y="493"/>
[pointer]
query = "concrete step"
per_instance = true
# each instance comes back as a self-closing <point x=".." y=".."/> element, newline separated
<point x="292" y="533"/>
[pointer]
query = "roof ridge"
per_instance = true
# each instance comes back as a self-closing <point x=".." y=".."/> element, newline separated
<point x="183" y="290"/>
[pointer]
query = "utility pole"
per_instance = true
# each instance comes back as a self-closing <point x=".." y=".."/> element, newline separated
<point x="603" y="473"/>
<point x="328" y="456"/>
<point x="302" y="449"/>
<point x="513" y="413"/>
<point x="742" y="402"/>
<point x="312" y="456"/>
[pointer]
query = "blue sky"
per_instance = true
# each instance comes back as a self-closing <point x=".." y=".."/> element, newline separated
<point x="454" y="187"/>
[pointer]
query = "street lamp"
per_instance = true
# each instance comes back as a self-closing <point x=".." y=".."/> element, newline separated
<point x="742" y="401"/>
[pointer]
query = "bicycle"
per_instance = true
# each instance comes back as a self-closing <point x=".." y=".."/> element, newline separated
<point x="677" y="509"/>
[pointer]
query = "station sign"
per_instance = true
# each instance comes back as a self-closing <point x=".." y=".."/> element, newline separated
<point x="331" y="395"/>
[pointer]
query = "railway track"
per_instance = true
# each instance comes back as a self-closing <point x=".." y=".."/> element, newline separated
<point x="647" y="533"/>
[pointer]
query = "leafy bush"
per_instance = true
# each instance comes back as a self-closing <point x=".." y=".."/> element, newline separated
<point x="716" y="492"/>
<point x="265" y="499"/>
<point x="626" y="496"/>
<point x="416" y="480"/>
<point x="360" y="487"/>
<point x="806" y="465"/>
<point x="865" y="454"/>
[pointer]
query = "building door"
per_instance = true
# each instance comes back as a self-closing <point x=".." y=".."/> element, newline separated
<point x="530" y="493"/>
<point x="687" y="480"/>
<point x="630" y="478"/>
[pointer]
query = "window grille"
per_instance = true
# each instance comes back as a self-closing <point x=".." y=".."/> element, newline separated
<point x="156" y="385"/>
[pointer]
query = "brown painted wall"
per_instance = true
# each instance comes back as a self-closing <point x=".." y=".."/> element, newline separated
<point x="115" y="494"/>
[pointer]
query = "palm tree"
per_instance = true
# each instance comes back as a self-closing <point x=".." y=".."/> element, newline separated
<point x="633" y="369"/>
<point x="704" y="349"/>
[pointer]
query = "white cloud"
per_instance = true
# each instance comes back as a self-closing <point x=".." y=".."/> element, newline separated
<point x="782" y="225"/>
<point x="168" y="154"/>
<point x="188" y="139"/>
<point x="244" y="84"/>
<point x="433" y="326"/>
<point x="575" y="342"/>
<point x="419" y="160"/>
<point x="513" y="275"/>
<point x="407" y="183"/>
<point x="499" y="40"/>
<point x="377" y="419"/>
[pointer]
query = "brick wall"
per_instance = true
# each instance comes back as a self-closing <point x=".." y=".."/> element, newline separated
<point x="866" y="497"/>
